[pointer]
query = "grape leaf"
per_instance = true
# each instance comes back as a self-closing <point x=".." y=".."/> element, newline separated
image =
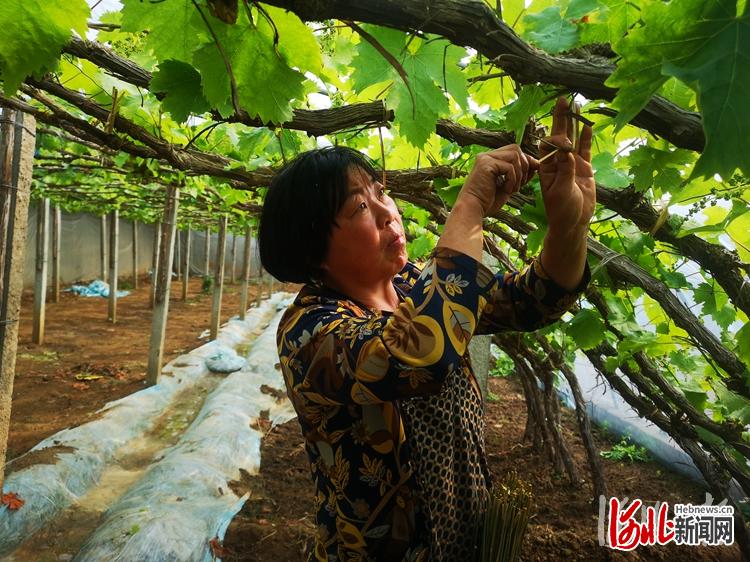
<point x="297" y="43"/>
<point x="586" y="328"/>
<point x="418" y="110"/>
<point x="550" y="31"/>
<point x="524" y="106"/>
<point x="34" y="32"/>
<point x="720" y="73"/>
<point x="652" y="167"/>
<point x="704" y="44"/>
<point x="181" y="85"/>
<point x="606" y="172"/>
<point x="174" y="26"/>
<point x="265" y="83"/>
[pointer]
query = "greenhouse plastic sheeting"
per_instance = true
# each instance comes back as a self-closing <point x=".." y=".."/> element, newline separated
<point x="48" y="489"/>
<point x="184" y="500"/>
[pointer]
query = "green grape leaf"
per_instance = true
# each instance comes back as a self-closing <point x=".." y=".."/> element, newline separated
<point x="297" y="43"/>
<point x="181" y="85"/>
<point x="265" y="83"/>
<point x="703" y="43"/>
<point x="34" y="32"/>
<point x="524" y="106"/>
<point x="720" y="71"/>
<point x="586" y="328"/>
<point x="420" y="247"/>
<point x="610" y="22"/>
<point x="606" y="172"/>
<point x="652" y="167"/>
<point x="417" y="106"/>
<point x="743" y="343"/>
<point x="578" y="9"/>
<point x="550" y="31"/>
<point x="174" y="26"/>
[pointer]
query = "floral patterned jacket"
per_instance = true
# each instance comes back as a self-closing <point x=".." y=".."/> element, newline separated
<point x="347" y="367"/>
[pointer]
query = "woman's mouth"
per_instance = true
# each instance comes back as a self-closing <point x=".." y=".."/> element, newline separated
<point x="398" y="242"/>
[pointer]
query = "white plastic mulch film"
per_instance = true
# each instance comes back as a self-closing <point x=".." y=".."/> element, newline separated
<point x="182" y="500"/>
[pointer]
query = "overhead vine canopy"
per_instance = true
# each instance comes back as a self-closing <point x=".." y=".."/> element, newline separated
<point x="215" y="94"/>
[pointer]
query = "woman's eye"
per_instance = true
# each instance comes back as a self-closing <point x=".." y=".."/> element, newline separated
<point x="362" y="206"/>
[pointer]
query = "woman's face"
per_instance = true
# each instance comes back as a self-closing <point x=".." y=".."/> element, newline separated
<point x="367" y="244"/>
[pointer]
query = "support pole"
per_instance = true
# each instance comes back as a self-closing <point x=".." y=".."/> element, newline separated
<point x="56" y="231"/>
<point x="155" y="261"/>
<point x="114" y="233"/>
<point x="163" y="283"/>
<point x="17" y="139"/>
<point x="135" y="255"/>
<point x="259" y="293"/>
<point x="246" y="259"/>
<point x="178" y="254"/>
<point x="207" y="253"/>
<point x="234" y="258"/>
<point x="42" y="257"/>
<point x="218" y="278"/>
<point x="103" y="247"/>
<point x="186" y="268"/>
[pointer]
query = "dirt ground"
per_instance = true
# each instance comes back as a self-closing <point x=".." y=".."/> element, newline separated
<point x="86" y="362"/>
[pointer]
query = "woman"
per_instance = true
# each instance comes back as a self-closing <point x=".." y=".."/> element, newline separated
<point x="373" y="349"/>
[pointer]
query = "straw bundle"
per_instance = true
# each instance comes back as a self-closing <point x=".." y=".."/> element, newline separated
<point x="505" y="520"/>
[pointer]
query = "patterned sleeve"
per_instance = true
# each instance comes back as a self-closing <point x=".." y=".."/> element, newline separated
<point x="528" y="300"/>
<point x="331" y="356"/>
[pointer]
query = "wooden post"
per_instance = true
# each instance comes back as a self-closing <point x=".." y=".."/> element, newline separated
<point x="186" y="268"/>
<point x="56" y="231"/>
<point x="207" y="252"/>
<point x="135" y="255"/>
<point x="114" y="233"/>
<point x="155" y="262"/>
<point x="259" y="293"/>
<point x="42" y="257"/>
<point x="17" y="139"/>
<point x="247" y="258"/>
<point x="103" y="247"/>
<point x="163" y="283"/>
<point x="233" y="258"/>
<point x="218" y="278"/>
<point x="178" y="255"/>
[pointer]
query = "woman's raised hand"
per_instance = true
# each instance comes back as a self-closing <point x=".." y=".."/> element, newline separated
<point x="497" y="175"/>
<point x="566" y="177"/>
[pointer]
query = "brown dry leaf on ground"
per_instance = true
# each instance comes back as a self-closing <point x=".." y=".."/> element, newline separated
<point x="12" y="501"/>
<point x="80" y="386"/>
<point x="217" y="549"/>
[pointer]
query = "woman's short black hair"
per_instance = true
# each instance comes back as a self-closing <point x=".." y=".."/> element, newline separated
<point x="300" y="209"/>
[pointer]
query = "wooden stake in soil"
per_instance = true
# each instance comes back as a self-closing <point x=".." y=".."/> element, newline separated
<point x="56" y="230"/>
<point x="163" y="282"/>
<point x="186" y="268"/>
<point x="234" y="258"/>
<point x="246" y="259"/>
<point x="155" y="261"/>
<point x="218" y="278"/>
<point x="42" y="257"/>
<point x="207" y="253"/>
<point x="178" y="254"/>
<point x="17" y="139"/>
<point x="114" y="234"/>
<point x="135" y="255"/>
<point x="103" y="247"/>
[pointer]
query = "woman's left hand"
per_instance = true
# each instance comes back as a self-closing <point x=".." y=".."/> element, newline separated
<point x="567" y="178"/>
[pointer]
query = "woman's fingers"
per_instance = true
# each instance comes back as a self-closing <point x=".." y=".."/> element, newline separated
<point x="584" y="143"/>
<point x="560" y="118"/>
